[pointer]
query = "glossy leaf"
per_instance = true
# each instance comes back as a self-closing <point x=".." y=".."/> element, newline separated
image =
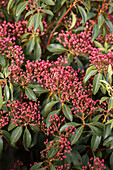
<point x="110" y="104"/>
<point x="16" y="134"/>
<point x="7" y="92"/>
<point x="52" y="167"/>
<point x="48" y="2"/>
<point x="6" y="135"/>
<point x="36" y="129"/>
<point x="76" y="136"/>
<point x="26" y="138"/>
<point x="95" y="130"/>
<point x="103" y="99"/>
<point x="111" y="160"/>
<point x="21" y="7"/>
<point x="95" y="32"/>
<point x="100" y="20"/>
<point x="88" y="75"/>
<point x="37" y="51"/>
<point x="96" y="83"/>
<point x="40" y="90"/>
<point x="30" y="45"/>
<point x="30" y="94"/>
<point x="36" y="166"/>
<point x="83" y="14"/>
<point x="107" y="130"/>
<point x="50" y="105"/>
<point x="73" y="20"/>
<point x="1" y="145"/>
<point x="95" y="141"/>
<point x="56" y="48"/>
<point x="109" y="24"/>
<point x="37" y="20"/>
<point x="108" y="141"/>
<point x="48" y="12"/>
<point x="67" y="112"/>
<point x="1" y="98"/>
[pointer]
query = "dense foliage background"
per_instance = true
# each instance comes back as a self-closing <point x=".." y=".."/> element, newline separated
<point x="56" y="93"/>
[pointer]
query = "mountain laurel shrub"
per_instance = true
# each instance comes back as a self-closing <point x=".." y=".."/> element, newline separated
<point x="56" y="88"/>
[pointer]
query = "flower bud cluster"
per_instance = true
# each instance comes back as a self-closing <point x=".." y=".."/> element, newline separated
<point x="4" y="119"/>
<point x="24" y="113"/>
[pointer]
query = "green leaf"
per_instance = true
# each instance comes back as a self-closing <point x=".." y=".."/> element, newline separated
<point x="1" y="145"/>
<point x="88" y="75"/>
<point x="6" y="135"/>
<point x="73" y="20"/>
<point x="110" y="104"/>
<point x="26" y="138"/>
<point x="40" y="90"/>
<point x="9" y="5"/>
<point x="107" y="130"/>
<point x="90" y="68"/>
<point x="48" y="123"/>
<point x="30" y="94"/>
<point x="1" y="99"/>
<point x="48" y="12"/>
<point x="83" y="14"/>
<point x="15" y="135"/>
<point x="76" y="158"/>
<point x="56" y="48"/>
<point x="111" y="160"/>
<point x="91" y="15"/>
<point x="68" y="124"/>
<point x="100" y="20"/>
<point x="67" y="112"/>
<point x="96" y="83"/>
<point x="95" y="141"/>
<point x="36" y="166"/>
<point x="98" y="45"/>
<point x="7" y="93"/>
<point x="108" y="141"/>
<point x="21" y="7"/>
<point x="37" y="51"/>
<point x="53" y="151"/>
<point x="11" y="126"/>
<point x="96" y="118"/>
<point x="79" y="63"/>
<point x="103" y="99"/>
<point x="29" y="13"/>
<point x="109" y="24"/>
<point x="37" y="20"/>
<point x="95" y="32"/>
<point x="95" y="130"/>
<point x="99" y="124"/>
<point x="35" y="128"/>
<point x="76" y="136"/>
<point x="78" y="29"/>
<point x="30" y="22"/>
<point x="30" y="45"/>
<point x="48" y="2"/>
<point x="50" y="105"/>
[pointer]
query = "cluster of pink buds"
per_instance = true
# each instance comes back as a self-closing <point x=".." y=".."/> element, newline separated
<point x="109" y="38"/>
<point x="4" y="119"/>
<point x="25" y="113"/>
<point x="95" y="164"/>
<point x="65" y="166"/>
<point x="17" y="165"/>
<point x="62" y="143"/>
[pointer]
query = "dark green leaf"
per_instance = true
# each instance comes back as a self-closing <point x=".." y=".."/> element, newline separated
<point x="37" y="51"/>
<point x="96" y="83"/>
<point x="76" y="136"/>
<point x="7" y="93"/>
<point x="50" y="105"/>
<point x="79" y="63"/>
<point x="109" y="24"/>
<point x="30" y="45"/>
<point x="30" y="22"/>
<point x="99" y="124"/>
<point x="103" y="99"/>
<point x="53" y="151"/>
<point x="48" y="12"/>
<point x="76" y="158"/>
<point x="26" y="138"/>
<point x="111" y="160"/>
<point x="6" y="135"/>
<point x="110" y="104"/>
<point x="52" y="167"/>
<point x="88" y="75"/>
<point x="83" y="14"/>
<point x="78" y="29"/>
<point x="37" y="20"/>
<point x="96" y="118"/>
<point x="30" y="94"/>
<point x="16" y="133"/>
<point x="95" y="32"/>
<point x="108" y="141"/>
<point x="1" y="99"/>
<point x="40" y="90"/>
<point x="1" y="145"/>
<point x="36" y="166"/>
<point x="11" y="126"/>
<point x="35" y="128"/>
<point x="95" y="141"/>
<point x="107" y="130"/>
<point x="100" y="20"/>
<point x="67" y="112"/>
<point x="21" y="7"/>
<point x="95" y="130"/>
<point x="56" y="48"/>
<point x="48" y="2"/>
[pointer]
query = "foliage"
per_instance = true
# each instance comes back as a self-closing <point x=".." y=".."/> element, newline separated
<point x="56" y="88"/>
